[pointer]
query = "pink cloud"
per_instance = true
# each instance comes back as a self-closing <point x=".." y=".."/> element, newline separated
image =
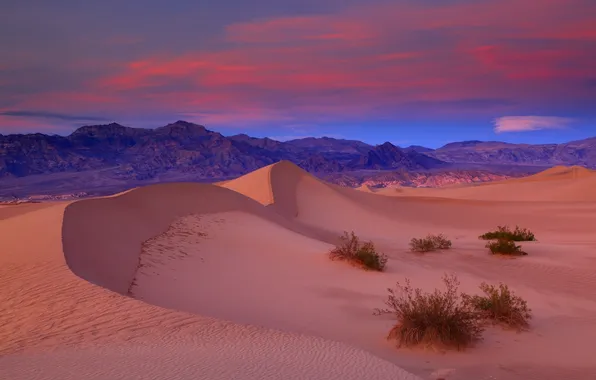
<point x="540" y="63"/>
<point x="530" y="123"/>
<point x="353" y="63"/>
<point x="293" y="29"/>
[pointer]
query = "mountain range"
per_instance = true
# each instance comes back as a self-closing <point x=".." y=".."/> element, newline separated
<point x="112" y="156"/>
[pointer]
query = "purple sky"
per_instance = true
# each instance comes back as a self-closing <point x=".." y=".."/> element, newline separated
<point x="408" y="71"/>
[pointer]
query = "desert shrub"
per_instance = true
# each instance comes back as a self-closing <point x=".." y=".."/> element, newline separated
<point x="505" y="247"/>
<point x="501" y="305"/>
<point x="441" y="242"/>
<point x="437" y="319"/>
<point x="422" y="245"/>
<point x="430" y="243"/>
<point x="363" y="254"/>
<point x="505" y="233"/>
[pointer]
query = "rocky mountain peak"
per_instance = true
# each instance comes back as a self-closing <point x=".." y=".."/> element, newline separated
<point x="183" y="127"/>
<point x="101" y="130"/>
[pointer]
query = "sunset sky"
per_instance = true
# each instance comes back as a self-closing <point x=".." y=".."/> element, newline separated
<point x="407" y="71"/>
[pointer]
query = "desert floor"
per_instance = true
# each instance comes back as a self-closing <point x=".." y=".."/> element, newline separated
<point x="197" y="281"/>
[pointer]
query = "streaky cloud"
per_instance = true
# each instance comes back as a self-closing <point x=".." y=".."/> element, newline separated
<point x="530" y="123"/>
<point x="51" y="115"/>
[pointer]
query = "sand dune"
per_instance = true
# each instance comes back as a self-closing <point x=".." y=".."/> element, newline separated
<point x="558" y="184"/>
<point x="232" y="281"/>
<point x="391" y="190"/>
<point x="298" y="196"/>
<point x="135" y="216"/>
<point x="307" y="201"/>
<point x="58" y="326"/>
<point x="255" y="185"/>
<point x="365" y="188"/>
<point x="561" y="172"/>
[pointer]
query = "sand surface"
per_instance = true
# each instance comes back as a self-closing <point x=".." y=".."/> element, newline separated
<point x="196" y="281"/>
<point x="558" y="184"/>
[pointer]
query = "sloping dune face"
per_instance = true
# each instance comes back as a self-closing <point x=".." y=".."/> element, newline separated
<point x="557" y="184"/>
<point x="298" y="196"/>
<point x="102" y="237"/>
<point x="328" y="210"/>
<point x="255" y="185"/>
<point x="365" y="188"/>
<point x="59" y="326"/>
<point x="562" y="172"/>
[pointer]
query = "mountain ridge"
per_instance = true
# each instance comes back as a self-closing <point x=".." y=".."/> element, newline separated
<point x="189" y="151"/>
<point x="186" y="146"/>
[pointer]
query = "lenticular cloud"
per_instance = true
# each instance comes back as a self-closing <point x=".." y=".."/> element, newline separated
<point x="530" y="123"/>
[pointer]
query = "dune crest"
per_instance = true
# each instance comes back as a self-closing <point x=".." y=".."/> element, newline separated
<point x="308" y="201"/>
<point x="255" y="185"/>
<point x="563" y="172"/>
<point x="137" y="215"/>
<point x="557" y="184"/>
<point x="366" y="188"/>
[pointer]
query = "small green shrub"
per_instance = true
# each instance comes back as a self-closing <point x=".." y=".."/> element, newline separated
<point x="430" y="243"/>
<point x="505" y="247"/>
<point x="505" y="233"/>
<point x="501" y="305"/>
<point x="437" y="319"/>
<point x="363" y="254"/>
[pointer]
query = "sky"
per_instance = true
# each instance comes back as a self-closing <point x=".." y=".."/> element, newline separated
<point x="422" y="72"/>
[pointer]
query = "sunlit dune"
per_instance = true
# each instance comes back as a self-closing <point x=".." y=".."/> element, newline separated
<point x="391" y="190"/>
<point x="365" y="188"/>
<point x="557" y="184"/>
<point x="561" y="172"/>
<point x="201" y="281"/>
<point x="255" y="185"/>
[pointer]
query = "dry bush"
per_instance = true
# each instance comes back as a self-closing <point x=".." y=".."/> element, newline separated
<point x="430" y="243"/>
<point x="505" y="247"/>
<point x="438" y="319"/>
<point x="505" y="233"/>
<point x="501" y="305"/>
<point x="440" y="241"/>
<point x="363" y="254"/>
<point x="422" y="245"/>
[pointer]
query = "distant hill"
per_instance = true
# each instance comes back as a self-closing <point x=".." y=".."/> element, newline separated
<point x="113" y="156"/>
<point x="419" y="149"/>
<point x="328" y="144"/>
<point x="582" y="152"/>
<point x="187" y="147"/>
<point x="389" y="157"/>
<point x="473" y="144"/>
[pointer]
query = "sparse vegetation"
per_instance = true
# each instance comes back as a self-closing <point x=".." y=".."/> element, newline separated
<point x="505" y="247"/>
<point x="430" y="243"/>
<point x="438" y="319"/>
<point x="501" y="305"/>
<point x="362" y="254"/>
<point x="505" y="233"/>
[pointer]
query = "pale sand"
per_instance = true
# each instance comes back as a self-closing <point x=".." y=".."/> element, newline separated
<point x="209" y="254"/>
<point x="256" y="185"/>
<point x="365" y="188"/>
<point x="558" y="184"/>
<point x="56" y="325"/>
